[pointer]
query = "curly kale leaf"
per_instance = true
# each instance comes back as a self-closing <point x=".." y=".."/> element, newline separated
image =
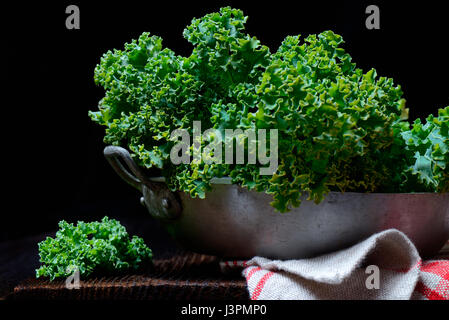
<point x="334" y="121"/>
<point x="224" y="56"/>
<point x="427" y="150"/>
<point x="95" y="247"/>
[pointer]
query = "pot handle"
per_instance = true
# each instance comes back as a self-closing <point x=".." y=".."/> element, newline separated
<point x="113" y="154"/>
<point x="157" y="198"/>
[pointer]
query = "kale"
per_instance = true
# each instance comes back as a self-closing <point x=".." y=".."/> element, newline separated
<point x="92" y="248"/>
<point x="340" y="128"/>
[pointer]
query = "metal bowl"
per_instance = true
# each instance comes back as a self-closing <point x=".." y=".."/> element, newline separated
<point x="236" y="223"/>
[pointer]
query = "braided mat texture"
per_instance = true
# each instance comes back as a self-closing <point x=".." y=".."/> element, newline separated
<point x="188" y="276"/>
<point x="184" y="276"/>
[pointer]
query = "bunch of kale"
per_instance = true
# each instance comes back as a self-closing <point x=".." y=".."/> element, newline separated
<point x="339" y="128"/>
<point x="91" y="248"/>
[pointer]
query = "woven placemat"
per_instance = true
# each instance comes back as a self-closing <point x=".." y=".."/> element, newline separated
<point x="188" y="276"/>
<point x="184" y="276"/>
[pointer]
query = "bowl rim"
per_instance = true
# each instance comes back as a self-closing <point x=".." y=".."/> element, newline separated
<point x="224" y="180"/>
<point x="228" y="181"/>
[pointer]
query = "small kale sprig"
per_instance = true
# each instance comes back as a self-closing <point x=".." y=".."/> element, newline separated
<point x="94" y="247"/>
<point x="427" y="152"/>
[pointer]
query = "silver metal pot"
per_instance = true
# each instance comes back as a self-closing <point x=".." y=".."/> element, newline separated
<point x="236" y="223"/>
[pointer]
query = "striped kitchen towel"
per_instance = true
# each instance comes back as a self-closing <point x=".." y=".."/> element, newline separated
<point x="384" y="266"/>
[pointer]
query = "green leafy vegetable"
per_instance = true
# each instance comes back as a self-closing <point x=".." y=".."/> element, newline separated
<point x="340" y="128"/>
<point x="94" y="247"/>
<point x="427" y="152"/>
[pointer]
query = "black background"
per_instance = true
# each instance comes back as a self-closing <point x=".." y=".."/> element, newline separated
<point x="54" y="163"/>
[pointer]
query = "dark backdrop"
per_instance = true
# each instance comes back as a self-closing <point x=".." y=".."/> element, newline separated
<point x="54" y="164"/>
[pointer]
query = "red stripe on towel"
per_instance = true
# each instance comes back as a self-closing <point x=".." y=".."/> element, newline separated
<point x="260" y="285"/>
<point x="428" y="293"/>
<point x="251" y="272"/>
<point x="440" y="268"/>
